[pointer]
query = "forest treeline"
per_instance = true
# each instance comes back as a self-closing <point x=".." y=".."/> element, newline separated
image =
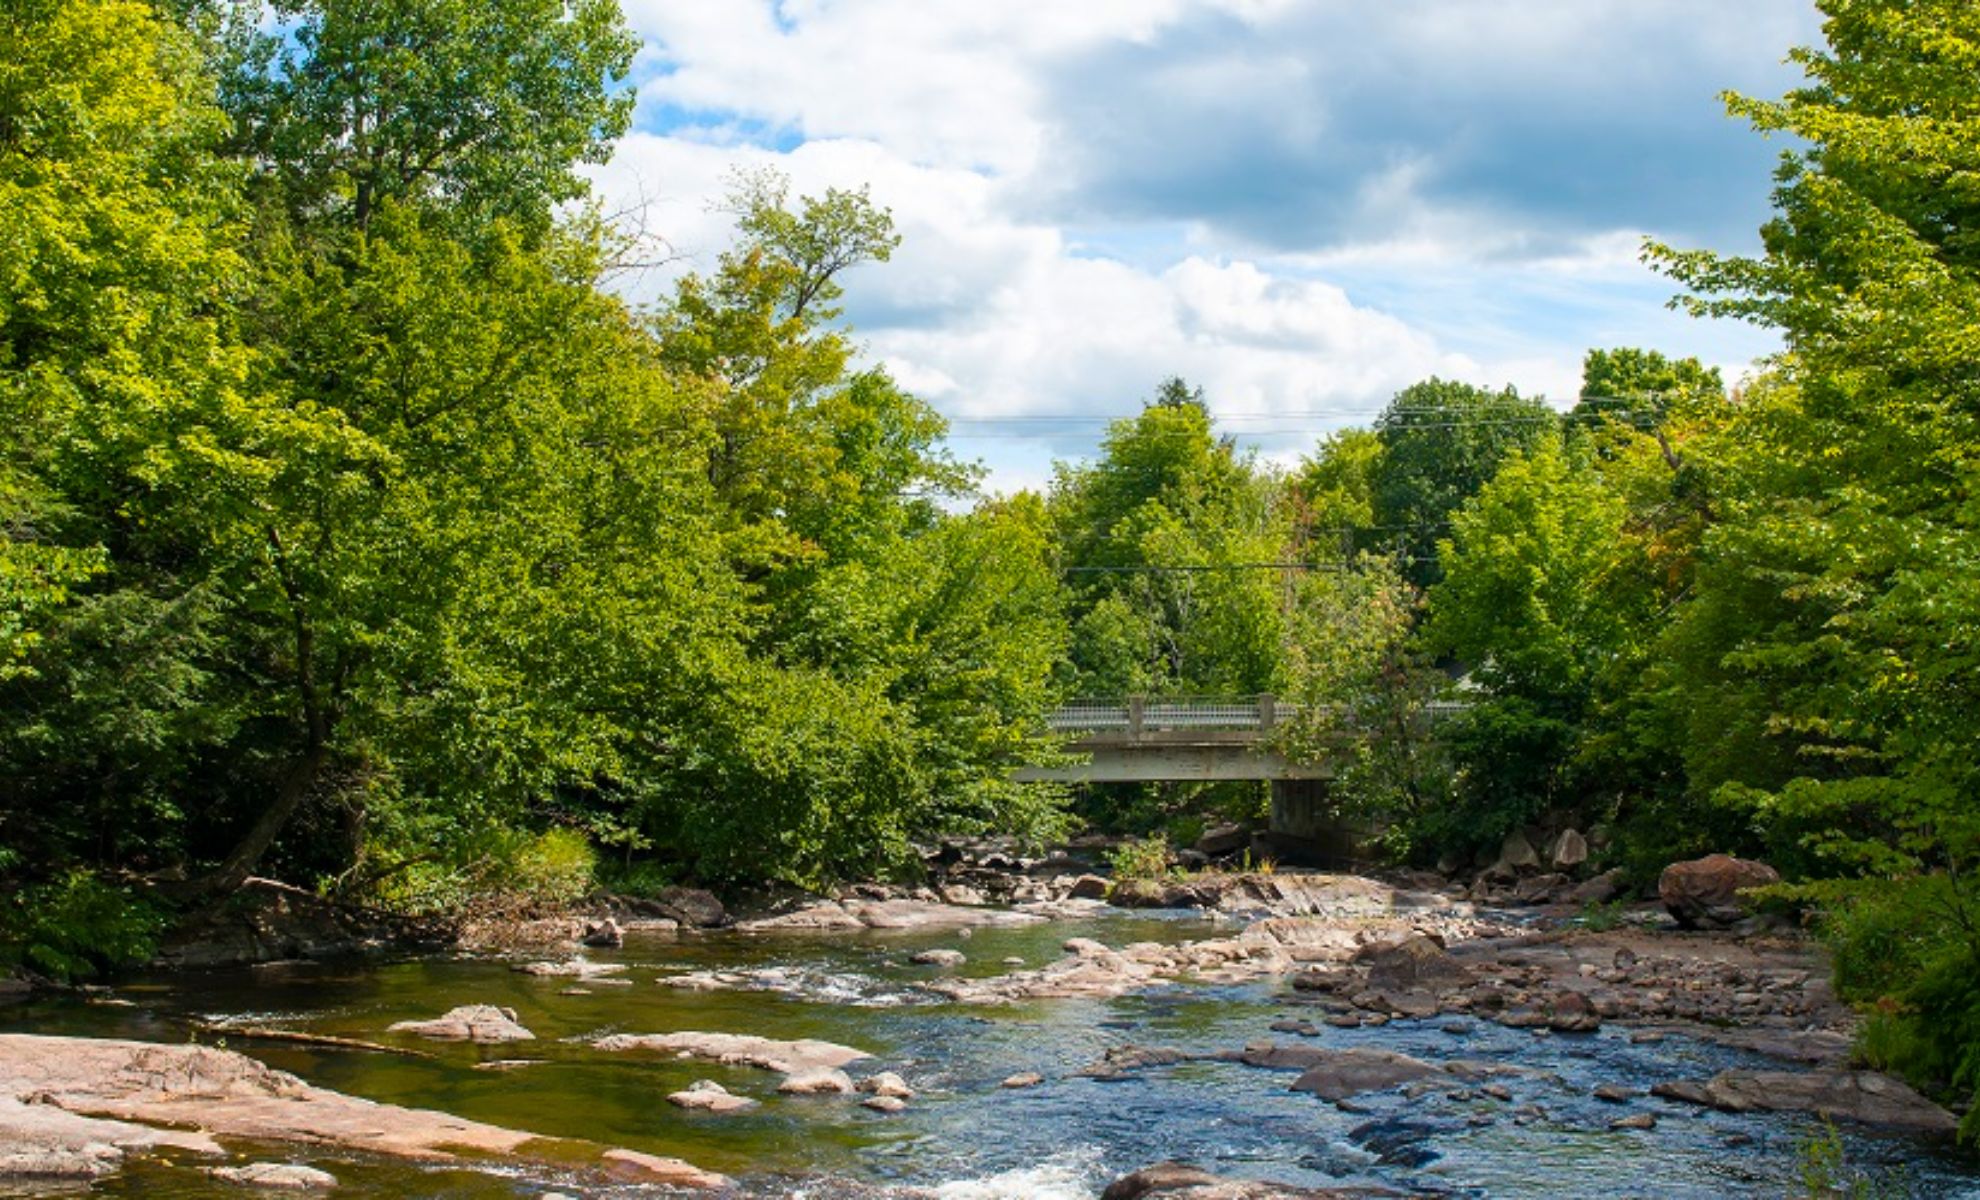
<point x="358" y="530"/>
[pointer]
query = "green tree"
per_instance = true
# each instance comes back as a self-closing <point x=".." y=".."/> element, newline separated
<point x="1166" y="535"/>
<point x="1834" y="602"/>
<point x="1639" y="387"/>
<point x="1363" y="691"/>
<point x="118" y="370"/>
<point x="1441" y="441"/>
<point x="1545" y="595"/>
<point x="487" y="106"/>
<point x="1336" y="488"/>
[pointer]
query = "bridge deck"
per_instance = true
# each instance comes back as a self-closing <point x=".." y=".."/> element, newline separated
<point x="1141" y="740"/>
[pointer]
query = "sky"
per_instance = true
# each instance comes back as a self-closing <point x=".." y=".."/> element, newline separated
<point x="1301" y="206"/>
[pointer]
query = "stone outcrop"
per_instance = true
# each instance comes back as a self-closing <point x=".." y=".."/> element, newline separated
<point x="1705" y="893"/>
<point x="483" y="1024"/>
<point x="194" y="1093"/>
<point x="268" y="921"/>
<point x="43" y="1141"/>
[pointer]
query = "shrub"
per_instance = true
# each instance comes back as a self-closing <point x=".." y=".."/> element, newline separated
<point x="77" y="925"/>
<point x="501" y="868"/>
<point x="1907" y="952"/>
<point x="1142" y="858"/>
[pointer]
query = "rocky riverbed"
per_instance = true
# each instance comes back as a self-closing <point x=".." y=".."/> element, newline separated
<point x="1295" y="1034"/>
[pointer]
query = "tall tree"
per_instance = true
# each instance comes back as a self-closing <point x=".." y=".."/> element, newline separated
<point x="1441" y="440"/>
<point x="488" y="106"/>
<point x="1834" y="594"/>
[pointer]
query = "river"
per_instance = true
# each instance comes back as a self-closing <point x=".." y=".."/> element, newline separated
<point x="964" y="1137"/>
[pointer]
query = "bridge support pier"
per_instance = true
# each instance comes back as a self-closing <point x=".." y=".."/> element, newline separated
<point x="1307" y="831"/>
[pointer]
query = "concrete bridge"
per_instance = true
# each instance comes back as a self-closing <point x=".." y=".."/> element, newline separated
<point x="1138" y="740"/>
<point x="1196" y="740"/>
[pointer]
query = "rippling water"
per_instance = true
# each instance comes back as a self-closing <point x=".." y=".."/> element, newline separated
<point x="964" y="1137"/>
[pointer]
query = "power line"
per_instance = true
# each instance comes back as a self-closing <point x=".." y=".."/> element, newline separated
<point x="1194" y="568"/>
<point x="1278" y="414"/>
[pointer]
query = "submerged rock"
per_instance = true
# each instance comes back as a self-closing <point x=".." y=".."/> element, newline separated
<point x="483" y="1024"/>
<point x="888" y="914"/>
<point x="1347" y="1073"/>
<point x="886" y="1083"/>
<point x="289" y="1177"/>
<point x="768" y="1053"/>
<point x="575" y="968"/>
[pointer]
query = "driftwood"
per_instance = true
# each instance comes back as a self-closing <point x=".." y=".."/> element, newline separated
<point x="263" y="1033"/>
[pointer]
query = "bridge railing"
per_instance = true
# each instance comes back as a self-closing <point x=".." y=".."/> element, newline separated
<point x="1136" y="715"/>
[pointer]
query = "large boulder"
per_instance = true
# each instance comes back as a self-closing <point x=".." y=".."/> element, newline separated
<point x="1162" y="1177"/>
<point x="483" y="1024"/>
<point x="1517" y="854"/>
<point x="1705" y="892"/>
<point x="1570" y="849"/>
<point x="1601" y="889"/>
<point x="1220" y="840"/>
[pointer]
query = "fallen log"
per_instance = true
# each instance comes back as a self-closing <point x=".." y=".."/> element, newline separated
<point x="265" y="1034"/>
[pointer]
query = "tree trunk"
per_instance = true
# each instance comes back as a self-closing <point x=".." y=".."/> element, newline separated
<point x="248" y="852"/>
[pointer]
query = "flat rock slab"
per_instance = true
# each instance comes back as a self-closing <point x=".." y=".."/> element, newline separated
<point x="218" y="1092"/>
<point x="1866" y="1097"/>
<point x="483" y="1024"/>
<point x="788" y="1058"/>
<point x="1338" y="1074"/>
<point x="889" y="914"/>
<point x="575" y="968"/>
<point x="45" y="1142"/>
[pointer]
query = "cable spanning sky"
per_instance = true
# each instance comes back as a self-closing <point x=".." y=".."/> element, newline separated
<point x="1301" y="206"/>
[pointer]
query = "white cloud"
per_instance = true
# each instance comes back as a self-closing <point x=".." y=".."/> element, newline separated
<point x="954" y="114"/>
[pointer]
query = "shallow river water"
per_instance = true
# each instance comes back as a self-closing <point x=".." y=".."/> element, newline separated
<point x="963" y="1136"/>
